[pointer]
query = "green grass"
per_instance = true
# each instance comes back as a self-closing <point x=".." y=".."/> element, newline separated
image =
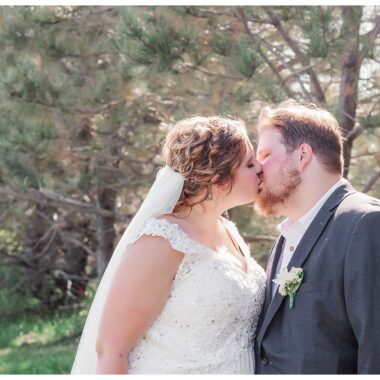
<point x="33" y="341"/>
<point x="35" y="345"/>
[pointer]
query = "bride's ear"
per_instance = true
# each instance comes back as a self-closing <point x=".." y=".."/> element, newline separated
<point x="215" y="179"/>
<point x="220" y="186"/>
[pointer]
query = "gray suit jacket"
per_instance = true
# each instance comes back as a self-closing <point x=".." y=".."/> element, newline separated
<point x="334" y="326"/>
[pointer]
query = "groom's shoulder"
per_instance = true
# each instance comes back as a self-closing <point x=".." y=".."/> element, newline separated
<point x="357" y="204"/>
<point x="356" y="209"/>
<point x="361" y="201"/>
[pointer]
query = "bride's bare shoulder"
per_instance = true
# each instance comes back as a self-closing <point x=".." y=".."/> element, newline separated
<point x="154" y="249"/>
<point x="171" y="219"/>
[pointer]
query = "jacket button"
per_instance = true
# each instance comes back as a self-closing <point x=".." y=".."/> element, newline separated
<point x="264" y="361"/>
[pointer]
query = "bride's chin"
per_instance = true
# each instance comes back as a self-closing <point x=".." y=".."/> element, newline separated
<point x="255" y="196"/>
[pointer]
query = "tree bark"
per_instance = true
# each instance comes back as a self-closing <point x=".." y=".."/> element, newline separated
<point x="76" y="260"/>
<point x="348" y="94"/>
<point x="105" y="233"/>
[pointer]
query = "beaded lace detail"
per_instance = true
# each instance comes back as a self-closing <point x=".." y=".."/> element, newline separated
<point x="212" y="311"/>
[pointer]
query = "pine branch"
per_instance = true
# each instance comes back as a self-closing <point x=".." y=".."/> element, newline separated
<point x="320" y="96"/>
<point x="370" y="98"/>
<point x="70" y="276"/>
<point x="17" y="260"/>
<point x="196" y="68"/>
<point x="98" y="10"/>
<point x="50" y="234"/>
<point x="79" y="244"/>
<point x="6" y="212"/>
<point x="371" y="182"/>
<point x="365" y="154"/>
<point x="60" y="199"/>
<point x="354" y="133"/>
<point x="90" y="11"/>
<point x="206" y="13"/>
<point x="286" y="64"/>
<point x="70" y="111"/>
<point x="289" y="65"/>
<point x="243" y="19"/>
<point x="291" y="62"/>
<point x="44" y="197"/>
<point x="299" y="71"/>
<point x="368" y="39"/>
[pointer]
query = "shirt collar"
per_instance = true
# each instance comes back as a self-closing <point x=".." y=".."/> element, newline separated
<point x="303" y="223"/>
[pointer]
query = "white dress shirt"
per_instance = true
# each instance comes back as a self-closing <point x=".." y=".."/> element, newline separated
<point x="293" y="233"/>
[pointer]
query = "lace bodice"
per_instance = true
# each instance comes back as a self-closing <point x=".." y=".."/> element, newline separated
<point x="211" y="313"/>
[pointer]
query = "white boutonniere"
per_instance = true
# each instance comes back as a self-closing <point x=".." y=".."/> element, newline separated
<point x="289" y="282"/>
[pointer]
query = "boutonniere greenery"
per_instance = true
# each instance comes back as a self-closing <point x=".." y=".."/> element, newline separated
<point x="289" y="282"/>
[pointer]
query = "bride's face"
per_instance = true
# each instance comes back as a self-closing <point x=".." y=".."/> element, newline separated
<point x="245" y="186"/>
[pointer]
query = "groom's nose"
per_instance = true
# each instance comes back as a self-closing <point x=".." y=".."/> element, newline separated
<point x="258" y="167"/>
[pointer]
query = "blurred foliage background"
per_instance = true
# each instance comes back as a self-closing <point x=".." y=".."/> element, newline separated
<point x="87" y="95"/>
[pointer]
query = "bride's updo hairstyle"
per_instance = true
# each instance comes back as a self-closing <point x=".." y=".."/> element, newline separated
<point x="206" y="151"/>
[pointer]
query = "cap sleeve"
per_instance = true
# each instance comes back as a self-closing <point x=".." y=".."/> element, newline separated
<point x="173" y="233"/>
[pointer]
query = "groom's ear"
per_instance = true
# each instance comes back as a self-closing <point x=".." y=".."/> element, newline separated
<point x="304" y="155"/>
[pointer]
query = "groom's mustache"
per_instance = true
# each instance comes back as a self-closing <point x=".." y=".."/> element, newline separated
<point x="261" y="180"/>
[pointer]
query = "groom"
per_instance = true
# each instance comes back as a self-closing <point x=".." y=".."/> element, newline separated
<point x="332" y="234"/>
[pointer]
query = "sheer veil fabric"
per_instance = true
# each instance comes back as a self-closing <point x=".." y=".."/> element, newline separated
<point x="161" y="199"/>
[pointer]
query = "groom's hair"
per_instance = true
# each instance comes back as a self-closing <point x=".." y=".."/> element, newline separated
<point x="307" y="123"/>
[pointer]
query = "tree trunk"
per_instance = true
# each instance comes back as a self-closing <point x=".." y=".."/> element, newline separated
<point x="42" y="252"/>
<point x="33" y="232"/>
<point x="105" y="232"/>
<point x="348" y="94"/>
<point x="76" y="259"/>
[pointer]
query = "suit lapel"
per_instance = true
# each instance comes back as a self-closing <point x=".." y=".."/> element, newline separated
<point x="271" y="270"/>
<point x="304" y="249"/>
<point x="319" y="223"/>
<point x="272" y="264"/>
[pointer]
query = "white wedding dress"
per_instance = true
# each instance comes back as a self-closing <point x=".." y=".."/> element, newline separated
<point x="209" y="321"/>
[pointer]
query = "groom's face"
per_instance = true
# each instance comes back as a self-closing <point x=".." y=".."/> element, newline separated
<point x="280" y="177"/>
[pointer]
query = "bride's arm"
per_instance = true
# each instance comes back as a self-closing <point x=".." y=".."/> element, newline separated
<point x="137" y="295"/>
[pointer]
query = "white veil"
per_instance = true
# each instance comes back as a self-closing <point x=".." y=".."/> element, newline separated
<point x="161" y="199"/>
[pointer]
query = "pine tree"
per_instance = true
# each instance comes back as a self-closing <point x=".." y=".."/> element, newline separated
<point x="88" y="94"/>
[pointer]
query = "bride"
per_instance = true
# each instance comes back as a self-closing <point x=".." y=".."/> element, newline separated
<point x="181" y="293"/>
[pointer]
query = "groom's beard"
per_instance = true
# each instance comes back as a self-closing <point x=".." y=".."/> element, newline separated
<point x="273" y="196"/>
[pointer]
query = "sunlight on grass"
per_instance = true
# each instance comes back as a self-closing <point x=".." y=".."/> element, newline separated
<point x="35" y="359"/>
<point x="35" y="345"/>
<point x="38" y="344"/>
<point x="28" y="338"/>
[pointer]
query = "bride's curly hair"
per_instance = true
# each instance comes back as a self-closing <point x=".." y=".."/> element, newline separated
<point x="206" y="151"/>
